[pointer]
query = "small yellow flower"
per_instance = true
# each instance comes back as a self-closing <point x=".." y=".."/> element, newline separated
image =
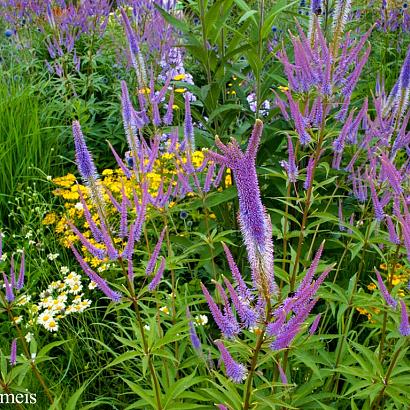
<point x="179" y="77"/>
<point x="283" y="88"/>
<point x="144" y="90"/>
<point x="164" y="309"/>
<point x="362" y="311"/>
<point x="371" y="287"/>
<point x="50" y="219"/>
<point x="107" y="172"/>
<point x="383" y="266"/>
<point x="180" y="90"/>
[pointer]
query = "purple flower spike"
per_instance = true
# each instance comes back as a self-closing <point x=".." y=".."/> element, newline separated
<point x="315" y="324"/>
<point x="299" y="120"/>
<point x="290" y="165"/>
<point x="129" y="118"/>
<point x="13" y="352"/>
<point x="246" y="313"/>
<point x="158" y="276"/>
<point x="9" y="289"/>
<point x="254" y="222"/>
<point x="169" y="115"/>
<point x="392" y="231"/>
<point x="12" y="273"/>
<point x="101" y="283"/>
<point x="20" y="280"/>
<point x="385" y="293"/>
<point x="155" y="253"/>
<point x="235" y="371"/>
<point x="188" y="127"/>
<point x="196" y="343"/>
<point x="309" y="173"/>
<point x="378" y="209"/>
<point x="404" y="322"/>
<point x="311" y="272"/>
<point x="243" y="290"/>
<point x="84" y="160"/>
<point x="227" y="328"/>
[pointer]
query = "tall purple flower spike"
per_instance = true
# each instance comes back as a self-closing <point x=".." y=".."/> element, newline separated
<point x="254" y="222"/>
<point x="385" y="293"/>
<point x="290" y="166"/>
<point x="404" y="322"/>
<point x="101" y="283"/>
<point x="196" y="342"/>
<point x="84" y="160"/>
<point x="158" y="276"/>
<point x="235" y="371"/>
<point x="13" y="352"/>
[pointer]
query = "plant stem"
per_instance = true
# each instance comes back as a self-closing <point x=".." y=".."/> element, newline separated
<point x="393" y="363"/>
<point x="248" y="389"/>
<point x="134" y="299"/>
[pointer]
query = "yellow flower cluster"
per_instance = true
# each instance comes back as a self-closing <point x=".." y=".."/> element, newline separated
<point x="113" y="182"/>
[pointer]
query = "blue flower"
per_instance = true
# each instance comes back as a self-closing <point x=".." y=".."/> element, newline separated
<point x="183" y="214"/>
<point x="8" y="32"/>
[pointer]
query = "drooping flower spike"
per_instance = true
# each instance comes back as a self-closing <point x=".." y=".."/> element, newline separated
<point x="234" y="370"/>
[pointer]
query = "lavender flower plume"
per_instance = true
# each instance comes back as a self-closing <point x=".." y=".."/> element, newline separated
<point x="385" y="293"/>
<point x="354" y="76"/>
<point x="155" y="253"/>
<point x="341" y="218"/>
<point x="290" y="165"/>
<point x="299" y="120"/>
<point x="243" y="290"/>
<point x="404" y="322"/>
<point x="309" y="173"/>
<point x="392" y="231"/>
<point x="315" y="324"/>
<point x="316" y="7"/>
<point x="235" y="371"/>
<point x="158" y="276"/>
<point x="340" y="16"/>
<point x="20" y="280"/>
<point x="311" y="272"/>
<point x="393" y="176"/>
<point x="196" y="343"/>
<point x="403" y="92"/>
<point x="169" y="115"/>
<point x="188" y="126"/>
<point x="84" y="160"/>
<point x="129" y="118"/>
<point x="378" y="209"/>
<point x="124" y="214"/>
<point x="96" y="252"/>
<point x="13" y="352"/>
<point x="9" y="289"/>
<point x="120" y="163"/>
<point x="208" y="178"/>
<point x="247" y="315"/>
<point x="101" y="283"/>
<point x="254" y="222"/>
<point x="228" y="329"/>
<point x="12" y="273"/>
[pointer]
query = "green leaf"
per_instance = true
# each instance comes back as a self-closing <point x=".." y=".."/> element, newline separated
<point x="224" y="108"/>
